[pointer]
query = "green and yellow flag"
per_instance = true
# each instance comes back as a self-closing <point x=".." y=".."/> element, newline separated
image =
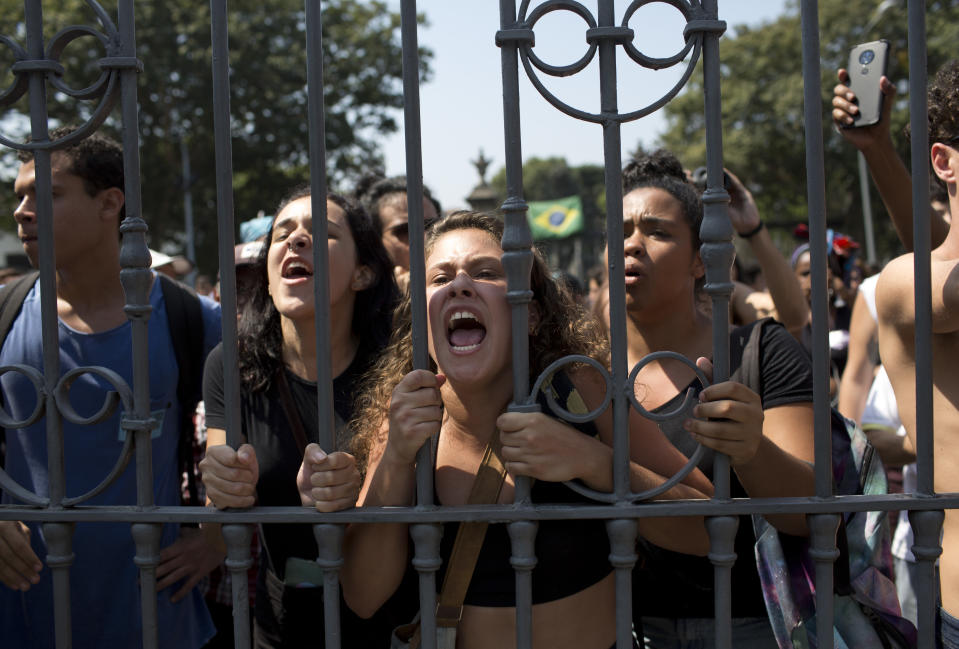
<point x="555" y="219"/>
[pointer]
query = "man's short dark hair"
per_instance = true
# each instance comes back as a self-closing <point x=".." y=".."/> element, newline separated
<point x="96" y="159"/>
<point x="944" y="104"/>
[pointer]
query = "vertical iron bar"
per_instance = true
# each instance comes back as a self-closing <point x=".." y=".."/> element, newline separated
<point x="321" y="289"/>
<point x="425" y="537"/>
<point x="622" y="556"/>
<point x="823" y="537"/>
<point x="919" y="126"/>
<point x="238" y="562"/>
<point x="328" y="537"/>
<point x="59" y="536"/>
<point x="612" y="159"/>
<point x="927" y="548"/>
<point x="517" y="261"/>
<point x="717" y="251"/>
<point x="223" y="155"/>
<point x="927" y="525"/>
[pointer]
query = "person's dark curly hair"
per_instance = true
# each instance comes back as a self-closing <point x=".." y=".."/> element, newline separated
<point x="259" y="333"/>
<point x="564" y="328"/>
<point x="97" y="159"/>
<point x="373" y="191"/>
<point x="943" y="100"/>
<point x="662" y="170"/>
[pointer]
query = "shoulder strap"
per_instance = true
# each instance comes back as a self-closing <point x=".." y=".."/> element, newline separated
<point x="469" y="539"/>
<point x="11" y="300"/>
<point x="749" y="372"/>
<point x="185" y="318"/>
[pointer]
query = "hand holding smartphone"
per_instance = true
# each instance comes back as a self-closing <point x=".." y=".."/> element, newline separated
<point x="867" y="65"/>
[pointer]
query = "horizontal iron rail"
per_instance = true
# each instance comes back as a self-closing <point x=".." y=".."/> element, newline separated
<point x="492" y="513"/>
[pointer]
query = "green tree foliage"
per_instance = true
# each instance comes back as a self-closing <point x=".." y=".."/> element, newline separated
<point x="762" y="101"/>
<point x="548" y="178"/>
<point x="363" y="95"/>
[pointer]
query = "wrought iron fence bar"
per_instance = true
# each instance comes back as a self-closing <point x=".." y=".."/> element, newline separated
<point x="816" y="198"/>
<point x="927" y="526"/>
<point x="59" y="536"/>
<point x="414" y="204"/>
<point x="321" y="289"/>
<point x="328" y="537"/>
<point x="927" y="548"/>
<point x="716" y="234"/>
<point x="223" y="172"/>
<point x="919" y="127"/>
<point x="238" y="562"/>
<point x="623" y="533"/>
<point x="426" y="538"/>
<point x="517" y="262"/>
<point x="223" y="156"/>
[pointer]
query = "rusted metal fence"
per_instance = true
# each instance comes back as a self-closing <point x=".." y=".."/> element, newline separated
<point x="37" y="67"/>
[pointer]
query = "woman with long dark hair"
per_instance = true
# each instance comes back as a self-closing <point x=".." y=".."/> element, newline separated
<point x="279" y="419"/>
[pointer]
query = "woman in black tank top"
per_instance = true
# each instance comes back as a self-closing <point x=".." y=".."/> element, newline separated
<point x="768" y="437"/>
<point x="463" y="399"/>
<point x="278" y="403"/>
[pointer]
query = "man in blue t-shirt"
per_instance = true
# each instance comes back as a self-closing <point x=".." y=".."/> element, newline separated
<point x="93" y="330"/>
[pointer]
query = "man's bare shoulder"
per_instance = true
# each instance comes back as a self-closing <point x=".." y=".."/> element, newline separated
<point x="894" y="292"/>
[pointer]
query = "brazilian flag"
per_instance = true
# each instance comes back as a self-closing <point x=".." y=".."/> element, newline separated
<point x="555" y="219"/>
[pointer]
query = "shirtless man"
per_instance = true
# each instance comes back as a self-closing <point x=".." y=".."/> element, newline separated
<point x="895" y="303"/>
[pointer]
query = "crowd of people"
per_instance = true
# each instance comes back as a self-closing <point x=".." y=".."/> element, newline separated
<point x="384" y="410"/>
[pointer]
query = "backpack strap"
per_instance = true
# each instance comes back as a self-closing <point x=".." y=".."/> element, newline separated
<point x="185" y="318"/>
<point x="749" y="372"/>
<point x="12" y="296"/>
<point x="11" y="301"/>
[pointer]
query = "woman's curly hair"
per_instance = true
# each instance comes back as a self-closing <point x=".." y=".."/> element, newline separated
<point x="564" y="328"/>
<point x="943" y="101"/>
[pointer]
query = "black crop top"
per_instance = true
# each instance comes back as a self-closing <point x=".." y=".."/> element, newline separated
<point x="570" y="554"/>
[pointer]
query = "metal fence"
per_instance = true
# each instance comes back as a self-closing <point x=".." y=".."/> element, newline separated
<point x="37" y="67"/>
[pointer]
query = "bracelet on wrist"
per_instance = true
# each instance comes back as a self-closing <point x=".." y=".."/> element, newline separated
<point x="752" y="233"/>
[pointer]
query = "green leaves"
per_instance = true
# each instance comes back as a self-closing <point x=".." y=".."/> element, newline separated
<point x="362" y="65"/>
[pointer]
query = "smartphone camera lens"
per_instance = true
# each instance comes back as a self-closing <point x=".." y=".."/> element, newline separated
<point x="867" y="57"/>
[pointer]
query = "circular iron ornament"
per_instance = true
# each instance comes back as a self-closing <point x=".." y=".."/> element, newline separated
<point x="694" y="459"/>
<point x="122" y="394"/>
<point x="561" y="411"/>
<point x="20" y="82"/>
<point x="36" y="378"/>
<point x="648" y="61"/>
<point x="560" y="5"/>
<point x="696" y="26"/>
<point x="106" y="86"/>
<point x="690" y="397"/>
<point x="55" y="50"/>
<point x="7" y="483"/>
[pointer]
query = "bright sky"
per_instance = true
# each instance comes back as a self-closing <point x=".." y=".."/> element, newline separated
<point x="462" y="105"/>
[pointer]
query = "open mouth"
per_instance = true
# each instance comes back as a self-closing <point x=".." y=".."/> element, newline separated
<point x="465" y="332"/>
<point x="296" y="269"/>
<point x="632" y="274"/>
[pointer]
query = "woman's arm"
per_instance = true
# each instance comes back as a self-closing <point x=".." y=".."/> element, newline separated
<point x="772" y="450"/>
<point x="545" y="448"/>
<point x="858" y="374"/>
<point x="375" y="554"/>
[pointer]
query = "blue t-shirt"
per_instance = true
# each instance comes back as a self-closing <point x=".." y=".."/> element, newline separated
<point x="105" y="599"/>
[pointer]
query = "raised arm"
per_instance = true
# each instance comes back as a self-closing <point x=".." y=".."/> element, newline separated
<point x="857" y="376"/>
<point x="887" y="169"/>
<point x="791" y="308"/>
